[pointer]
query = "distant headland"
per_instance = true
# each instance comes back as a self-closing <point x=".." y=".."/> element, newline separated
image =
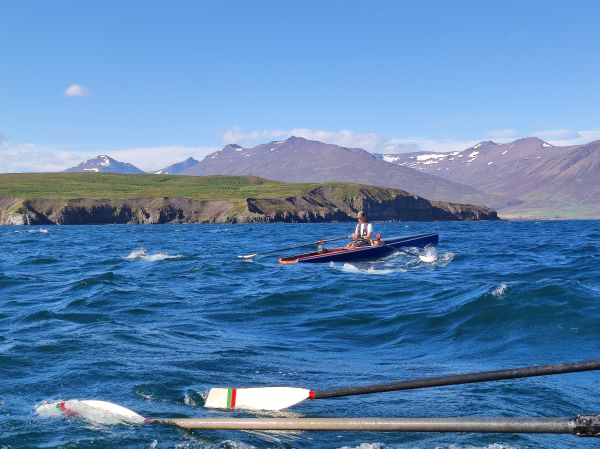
<point x="103" y="198"/>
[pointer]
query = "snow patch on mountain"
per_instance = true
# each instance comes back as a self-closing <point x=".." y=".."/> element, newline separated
<point x="426" y="157"/>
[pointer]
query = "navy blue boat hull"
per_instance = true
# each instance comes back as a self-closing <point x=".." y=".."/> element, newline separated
<point x="364" y="253"/>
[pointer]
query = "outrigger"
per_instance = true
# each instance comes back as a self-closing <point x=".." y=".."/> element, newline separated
<point x="380" y="249"/>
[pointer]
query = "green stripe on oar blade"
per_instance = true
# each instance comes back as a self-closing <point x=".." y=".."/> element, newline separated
<point x="268" y="398"/>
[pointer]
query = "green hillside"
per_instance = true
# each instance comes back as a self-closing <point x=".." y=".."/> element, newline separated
<point x="117" y="186"/>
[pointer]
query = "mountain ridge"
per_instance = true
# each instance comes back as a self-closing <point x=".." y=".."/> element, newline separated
<point x="301" y="160"/>
<point x="178" y="167"/>
<point x="547" y="178"/>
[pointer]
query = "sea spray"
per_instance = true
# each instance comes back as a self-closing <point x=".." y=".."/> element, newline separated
<point x="140" y="254"/>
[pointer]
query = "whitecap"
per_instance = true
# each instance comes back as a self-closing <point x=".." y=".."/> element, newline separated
<point x="429" y="256"/>
<point x="444" y="259"/>
<point x="500" y="290"/>
<point x="137" y="253"/>
<point x="366" y="446"/>
<point x="140" y="254"/>
<point x="489" y="446"/>
<point x="31" y="231"/>
<point x="161" y="256"/>
<point x="349" y="268"/>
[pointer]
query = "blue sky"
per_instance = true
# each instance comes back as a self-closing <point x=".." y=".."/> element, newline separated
<point x="153" y="82"/>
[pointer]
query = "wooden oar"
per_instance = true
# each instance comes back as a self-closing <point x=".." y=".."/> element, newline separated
<point x="102" y="412"/>
<point x="278" y="398"/>
<point x="278" y="250"/>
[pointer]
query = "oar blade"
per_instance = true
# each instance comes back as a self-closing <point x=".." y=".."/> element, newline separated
<point x="247" y="256"/>
<point x="93" y="411"/>
<point x="268" y="398"/>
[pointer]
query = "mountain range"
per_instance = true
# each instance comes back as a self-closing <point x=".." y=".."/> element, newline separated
<point x="548" y="180"/>
<point x="527" y="177"/>
<point x="300" y="160"/>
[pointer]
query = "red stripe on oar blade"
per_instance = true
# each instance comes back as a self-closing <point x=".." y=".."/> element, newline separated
<point x="233" y="394"/>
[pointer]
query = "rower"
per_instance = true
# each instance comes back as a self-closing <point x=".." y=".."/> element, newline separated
<point x="362" y="233"/>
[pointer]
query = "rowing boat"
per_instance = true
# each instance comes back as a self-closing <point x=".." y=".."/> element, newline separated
<point x="343" y="254"/>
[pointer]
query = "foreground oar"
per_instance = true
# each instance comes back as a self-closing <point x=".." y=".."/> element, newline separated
<point x="102" y="412"/>
<point x="581" y="425"/>
<point x="277" y="398"/>
<point x="279" y="250"/>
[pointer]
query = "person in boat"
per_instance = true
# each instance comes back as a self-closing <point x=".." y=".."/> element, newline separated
<point x="362" y="233"/>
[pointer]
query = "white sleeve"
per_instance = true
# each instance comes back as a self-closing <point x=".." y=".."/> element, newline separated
<point x="356" y="229"/>
<point x="369" y="228"/>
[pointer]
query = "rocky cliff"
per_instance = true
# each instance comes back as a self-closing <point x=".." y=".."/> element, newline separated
<point x="324" y="203"/>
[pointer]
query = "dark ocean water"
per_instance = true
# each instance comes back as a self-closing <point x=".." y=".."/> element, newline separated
<point x="85" y="313"/>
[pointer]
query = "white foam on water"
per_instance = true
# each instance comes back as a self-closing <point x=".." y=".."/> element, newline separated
<point x="366" y="446"/>
<point x="429" y="256"/>
<point x="500" y="290"/>
<point x="137" y="253"/>
<point x="349" y="268"/>
<point x="140" y="254"/>
<point x="188" y="399"/>
<point x="161" y="256"/>
<point x="398" y="262"/>
<point x="489" y="446"/>
<point x="145" y="396"/>
<point x="31" y="231"/>
<point x="444" y="259"/>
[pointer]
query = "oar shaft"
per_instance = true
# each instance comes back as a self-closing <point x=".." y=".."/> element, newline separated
<point x="580" y="425"/>
<point x="304" y="245"/>
<point x="485" y="376"/>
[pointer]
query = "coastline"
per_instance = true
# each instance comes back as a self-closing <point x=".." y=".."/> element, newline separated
<point x="46" y="199"/>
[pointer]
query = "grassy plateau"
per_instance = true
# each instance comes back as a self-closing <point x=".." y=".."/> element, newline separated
<point x="117" y="186"/>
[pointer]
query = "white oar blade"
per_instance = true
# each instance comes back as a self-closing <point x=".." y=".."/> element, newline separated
<point x="247" y="256"/>
<point x="94" y="411"/>
<point x="268" y="398"/>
